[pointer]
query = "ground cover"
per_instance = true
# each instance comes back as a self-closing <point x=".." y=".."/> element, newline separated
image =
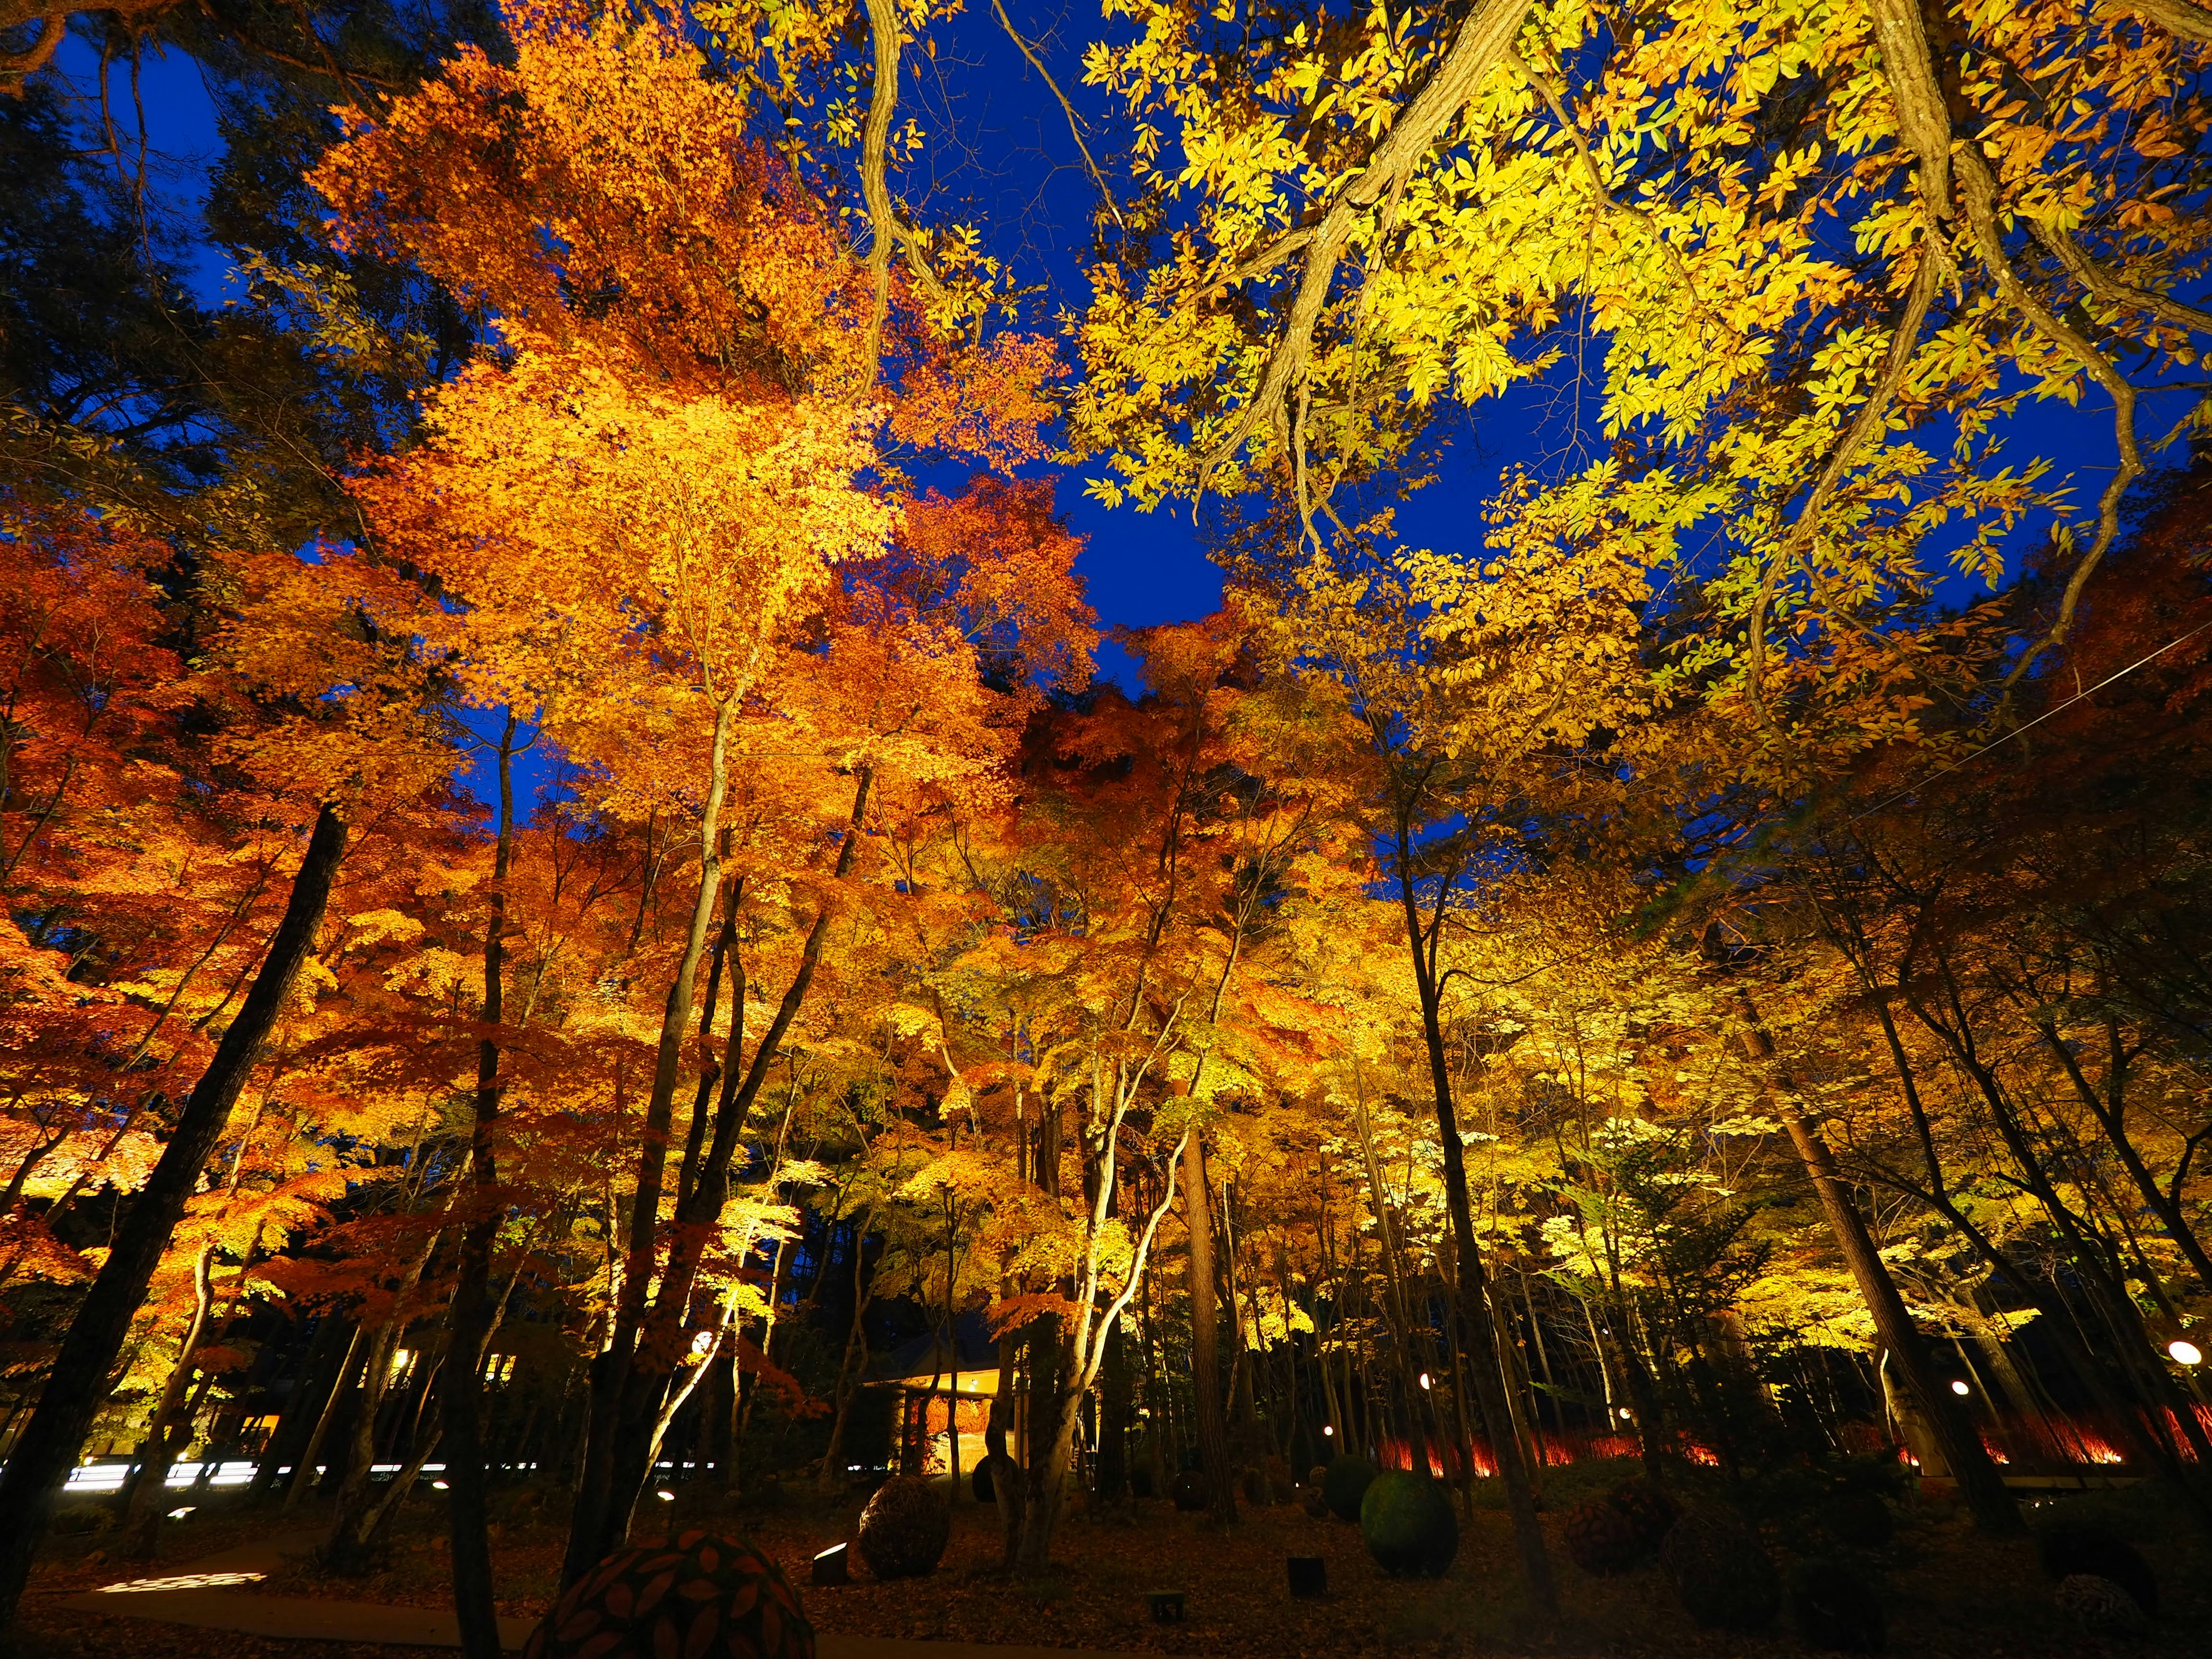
<point x="1948" y="1593"/>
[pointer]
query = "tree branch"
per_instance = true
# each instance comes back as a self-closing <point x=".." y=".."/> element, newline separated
<point x="1484" y="41"/>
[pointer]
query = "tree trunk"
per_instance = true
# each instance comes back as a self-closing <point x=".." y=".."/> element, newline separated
<point x="1206" y="1338"/>
<point x="303" y="1472"/>
<point x="78" y="1384"/>
<point x="1480" y="1347"/>
<point x="639" y="1367"/>
<point x="1117" y="1401"/>
<point x="852" y="1366"/>
<point x="171" y="1428"/>
<point x="1052" y="1445"/>
<point x="626" y="1406"/>
<point x="466" y="1475"/>
<point x="1994" y="1509"/>
<point x="330" y="1348"/>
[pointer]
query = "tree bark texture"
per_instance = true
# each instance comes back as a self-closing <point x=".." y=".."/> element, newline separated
<point x="1206" y="1338"/>
<point x="78" y="1383"/>
<point x="466" y="1476"/>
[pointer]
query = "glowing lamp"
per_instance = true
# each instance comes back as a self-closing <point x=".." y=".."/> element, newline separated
<point x="1424" y="1379"/>
<point x="1327" y="1428"/>
<point x="2185" y="1353"/>
<point x="665" y="1496"/>
<point x="1958" y="1387"/>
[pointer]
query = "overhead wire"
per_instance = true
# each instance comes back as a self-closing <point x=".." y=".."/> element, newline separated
<point x="2058" y="708"/>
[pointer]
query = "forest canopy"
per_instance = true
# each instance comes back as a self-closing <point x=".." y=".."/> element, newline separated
<point x="572" y="877"/>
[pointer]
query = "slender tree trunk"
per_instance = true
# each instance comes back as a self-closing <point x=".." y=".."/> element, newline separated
<point x="1206" y="1337"/>
<point x="1475" y="1319"/>
<point x="1995" y="1512"/>
<point x="640" y="1368"/>
<point x="78" y="1384"/>
<point x="622" y="1417"/>
<point x="1116" y="1398"/>
<point x="171" y="1428"/>
<point x="330" y="1345"/>
<point x="2108" y="1109"/>
<point x="854" y="1363"/>
<point x="1050" y="1456"/>
<point x="303" y="1472"/>
<point x="466" y="1476"/>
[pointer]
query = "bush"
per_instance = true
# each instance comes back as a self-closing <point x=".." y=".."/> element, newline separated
<point x="2100" y="1607"/>
<point x="1648" y="1509"/>
<point x="1345" y="1486"/>
<point x="80" y="1519"/>
<point x="1721" y="1572"/>
<point x="1601" y="1538"/>
<point x="2067" y="1548"/>
<point x="1834" y="1608"/>
<point x="695" y="1595"/>
<point x="904" y="1529"/>
<point x="1859" y="1519"/>
<point x="1408" y="1524"/>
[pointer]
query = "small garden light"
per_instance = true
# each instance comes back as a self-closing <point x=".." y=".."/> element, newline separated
<point x="665" y="1496"/>
<point x="1959" y="1386"/>
<point x="2184" y="1353"/>
<point x="1424" y="1379"/>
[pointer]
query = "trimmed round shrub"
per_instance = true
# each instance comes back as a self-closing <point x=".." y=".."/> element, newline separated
<point x="1835" y="1608"/>
<point x="1859" y="1519"/>
<point x="2100" y="1607"/>
<point x="2067" y="1549"/>
<point x="904" y="1529"/>
<point x="1408" y="1524"/>
<point x="691" y="1596"/>
<point x="1648" y="1510"/>
<point x="82" y="1519"/>
<point x="1344" y="1485"/>
<point x="1601" y="1538"/>
<point x="1721" y="1572"/>
<point x="980" y="1483"/>
<point x="1190" y="1493"/>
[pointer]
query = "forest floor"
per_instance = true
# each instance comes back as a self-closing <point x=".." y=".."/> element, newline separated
<point x="1948" y="1593"/>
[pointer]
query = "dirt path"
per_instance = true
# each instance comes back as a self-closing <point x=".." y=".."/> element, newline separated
<point x="212" y="1593"/>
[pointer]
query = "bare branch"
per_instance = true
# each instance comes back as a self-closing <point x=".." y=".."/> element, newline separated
<point x="1074" y="121"/>
<point x="1550" y="93"/>
<point x="1872" y="414"/>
